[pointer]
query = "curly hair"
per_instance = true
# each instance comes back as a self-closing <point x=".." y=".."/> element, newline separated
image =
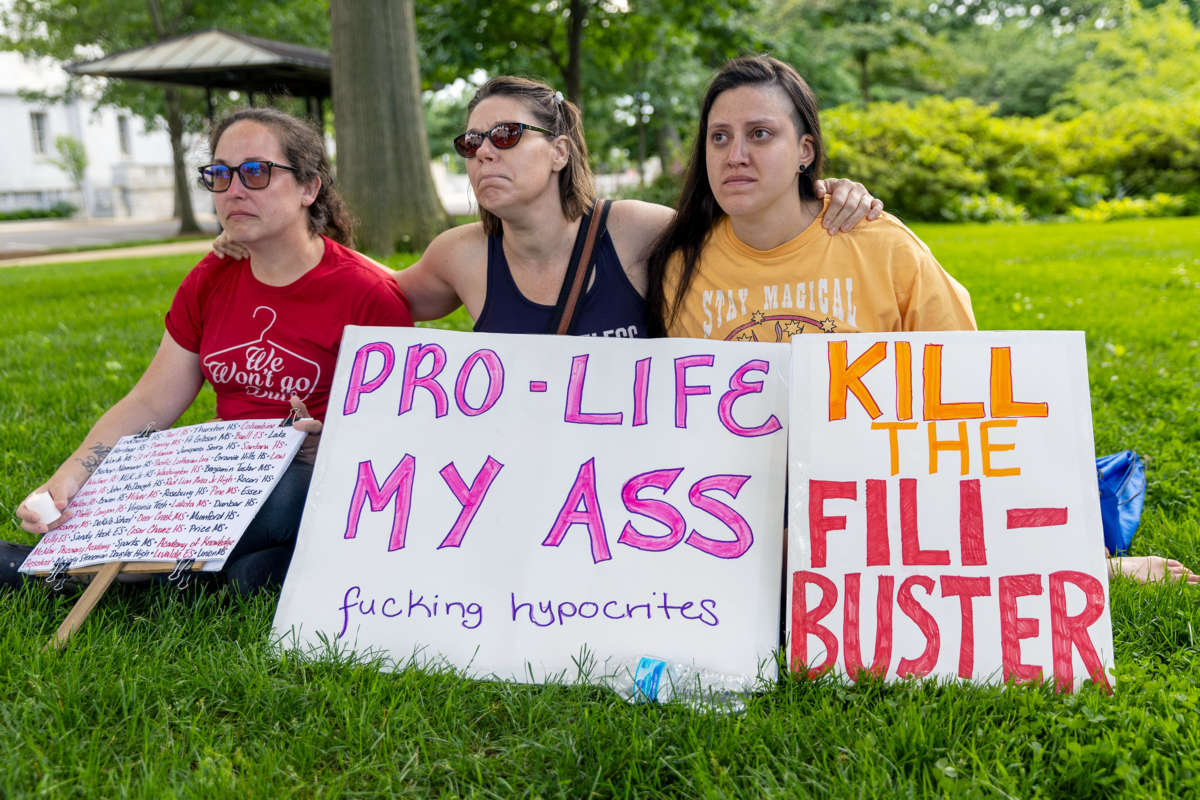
<point x="304" y="149"/>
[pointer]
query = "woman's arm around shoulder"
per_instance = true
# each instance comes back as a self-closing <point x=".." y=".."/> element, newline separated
<point x="158" y="399"/>
<point x="635" y="226"/>
<point x="451" y="272"/>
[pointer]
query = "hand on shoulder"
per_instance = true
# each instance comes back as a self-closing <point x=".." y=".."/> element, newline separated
<point x="849" y="204"/>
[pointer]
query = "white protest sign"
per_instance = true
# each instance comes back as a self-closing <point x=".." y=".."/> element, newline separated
<point x="944" y="509"/>
<point x="181" y="493"/>
<point x="511" y="504"/>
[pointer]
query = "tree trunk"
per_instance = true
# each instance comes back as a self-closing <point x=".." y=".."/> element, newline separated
<point x="574" y="74"/>
<point x="670" y="148"/>
<point x="641" y="155"/>
<point x="183" y="194"/>
<point x="382" y="152"/>
<point x="864" y="80"/>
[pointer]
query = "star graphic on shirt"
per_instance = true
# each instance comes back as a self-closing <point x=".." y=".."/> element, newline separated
<point x="828" y="325"/>
<point x="746" y="336"/>
<point x="793" y="327"/>
<point x="757" y="317"/>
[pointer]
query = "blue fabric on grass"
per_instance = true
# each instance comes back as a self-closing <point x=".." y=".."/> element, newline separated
<point x="1122" y="478"/>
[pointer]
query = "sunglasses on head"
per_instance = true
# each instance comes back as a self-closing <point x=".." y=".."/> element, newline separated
<point x="253" y="174"/>
<point x="503" y="136"/>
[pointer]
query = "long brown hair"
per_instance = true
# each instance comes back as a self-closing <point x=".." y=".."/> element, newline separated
<point x="576" y="188"/>
<point x="697" y="210"/>
<point x="304" y="149"/>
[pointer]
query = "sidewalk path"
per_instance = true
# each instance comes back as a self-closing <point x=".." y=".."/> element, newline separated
<point x="32" y="238"/>
<point x="198" y="246"/>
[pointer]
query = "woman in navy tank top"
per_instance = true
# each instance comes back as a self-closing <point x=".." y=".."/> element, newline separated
<point x="527" y="162"/>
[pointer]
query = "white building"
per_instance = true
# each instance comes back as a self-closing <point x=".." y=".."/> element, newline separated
<point x="129" y="169"/>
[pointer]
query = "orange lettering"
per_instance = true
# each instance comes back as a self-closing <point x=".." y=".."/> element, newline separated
<point x="988" y="448"/>
<point x="960" y="444"/>
<point x="1003" y="404"/>
<point x="894" y="439"/>
<point x="903" y="381"/>
<point x="934" y="407"/>
<point x="843" y="378"/>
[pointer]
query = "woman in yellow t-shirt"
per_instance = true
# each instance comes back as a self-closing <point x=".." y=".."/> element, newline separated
<point x="747" y="259"/>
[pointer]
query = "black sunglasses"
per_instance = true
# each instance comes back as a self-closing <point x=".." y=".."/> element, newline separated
<point x="503" y="136"/>
<point x="253" y="174"/>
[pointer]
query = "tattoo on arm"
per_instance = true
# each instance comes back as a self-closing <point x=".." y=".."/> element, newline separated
<point x="99" y="451"/>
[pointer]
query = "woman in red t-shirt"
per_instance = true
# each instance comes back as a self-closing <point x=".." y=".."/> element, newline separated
<point x="263" y="330"/>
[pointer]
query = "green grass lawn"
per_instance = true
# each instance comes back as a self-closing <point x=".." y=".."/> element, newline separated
<point x="176" y="694"/>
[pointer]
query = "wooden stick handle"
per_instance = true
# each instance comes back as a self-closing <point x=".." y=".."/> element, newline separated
<point x="84" y="605"/>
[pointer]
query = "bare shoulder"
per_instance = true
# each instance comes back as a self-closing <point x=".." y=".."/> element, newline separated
<point x="450" y="272"/>
<point x="455" y="246"/>
<point x="635" y="226"/>
<point x="639" y="218"/>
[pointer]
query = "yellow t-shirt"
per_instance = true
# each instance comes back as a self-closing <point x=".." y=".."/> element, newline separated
<point x="878" y="277"/>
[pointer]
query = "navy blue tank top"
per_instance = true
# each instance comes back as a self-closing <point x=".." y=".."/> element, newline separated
<point x="610" y="307"/>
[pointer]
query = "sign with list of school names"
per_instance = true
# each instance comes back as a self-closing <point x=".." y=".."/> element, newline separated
<point x="518" y="506"/>
<point x="944" y="510"/>
<point x="182" y="493"/>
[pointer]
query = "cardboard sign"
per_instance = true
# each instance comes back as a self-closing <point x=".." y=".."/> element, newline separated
<point x="517" y="506"/>
<point x="944" y="510"/>
<point x="176" y="494"/>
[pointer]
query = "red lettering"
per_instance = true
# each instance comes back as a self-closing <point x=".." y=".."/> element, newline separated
<point x="878" y="550"/>
<point x="970" y="524"/>
<point x="806" y="622"/>
<point x="966" y="589"/>
<point x="820" y="525"/>
<point x="1014" y="628"/>
<point x="1068" y="632"/>
<point x="923" y="664"/>
<point x="911" y="553"/>
<point x="852" y="652"/>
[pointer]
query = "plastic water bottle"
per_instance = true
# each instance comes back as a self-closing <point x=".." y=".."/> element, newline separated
<point x="654" y="680"/>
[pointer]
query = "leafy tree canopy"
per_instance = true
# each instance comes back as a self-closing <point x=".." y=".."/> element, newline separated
<point x="1153" y="55"/>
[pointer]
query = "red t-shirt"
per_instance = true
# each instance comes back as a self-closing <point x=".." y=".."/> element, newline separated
<point x="258" y="343"/>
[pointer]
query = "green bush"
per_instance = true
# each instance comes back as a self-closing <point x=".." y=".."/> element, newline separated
<point x="953" y="160"/>
<point x="984" y="208"/>
<point x="1159" y="205"/>
<point x="912" y="157"/>
<point x="923" y="159"/>
<point x="1138" y="148"/>
<point x="61" y="209"/>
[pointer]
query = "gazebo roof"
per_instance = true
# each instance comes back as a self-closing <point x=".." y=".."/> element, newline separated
<point x="218" y="59"/>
